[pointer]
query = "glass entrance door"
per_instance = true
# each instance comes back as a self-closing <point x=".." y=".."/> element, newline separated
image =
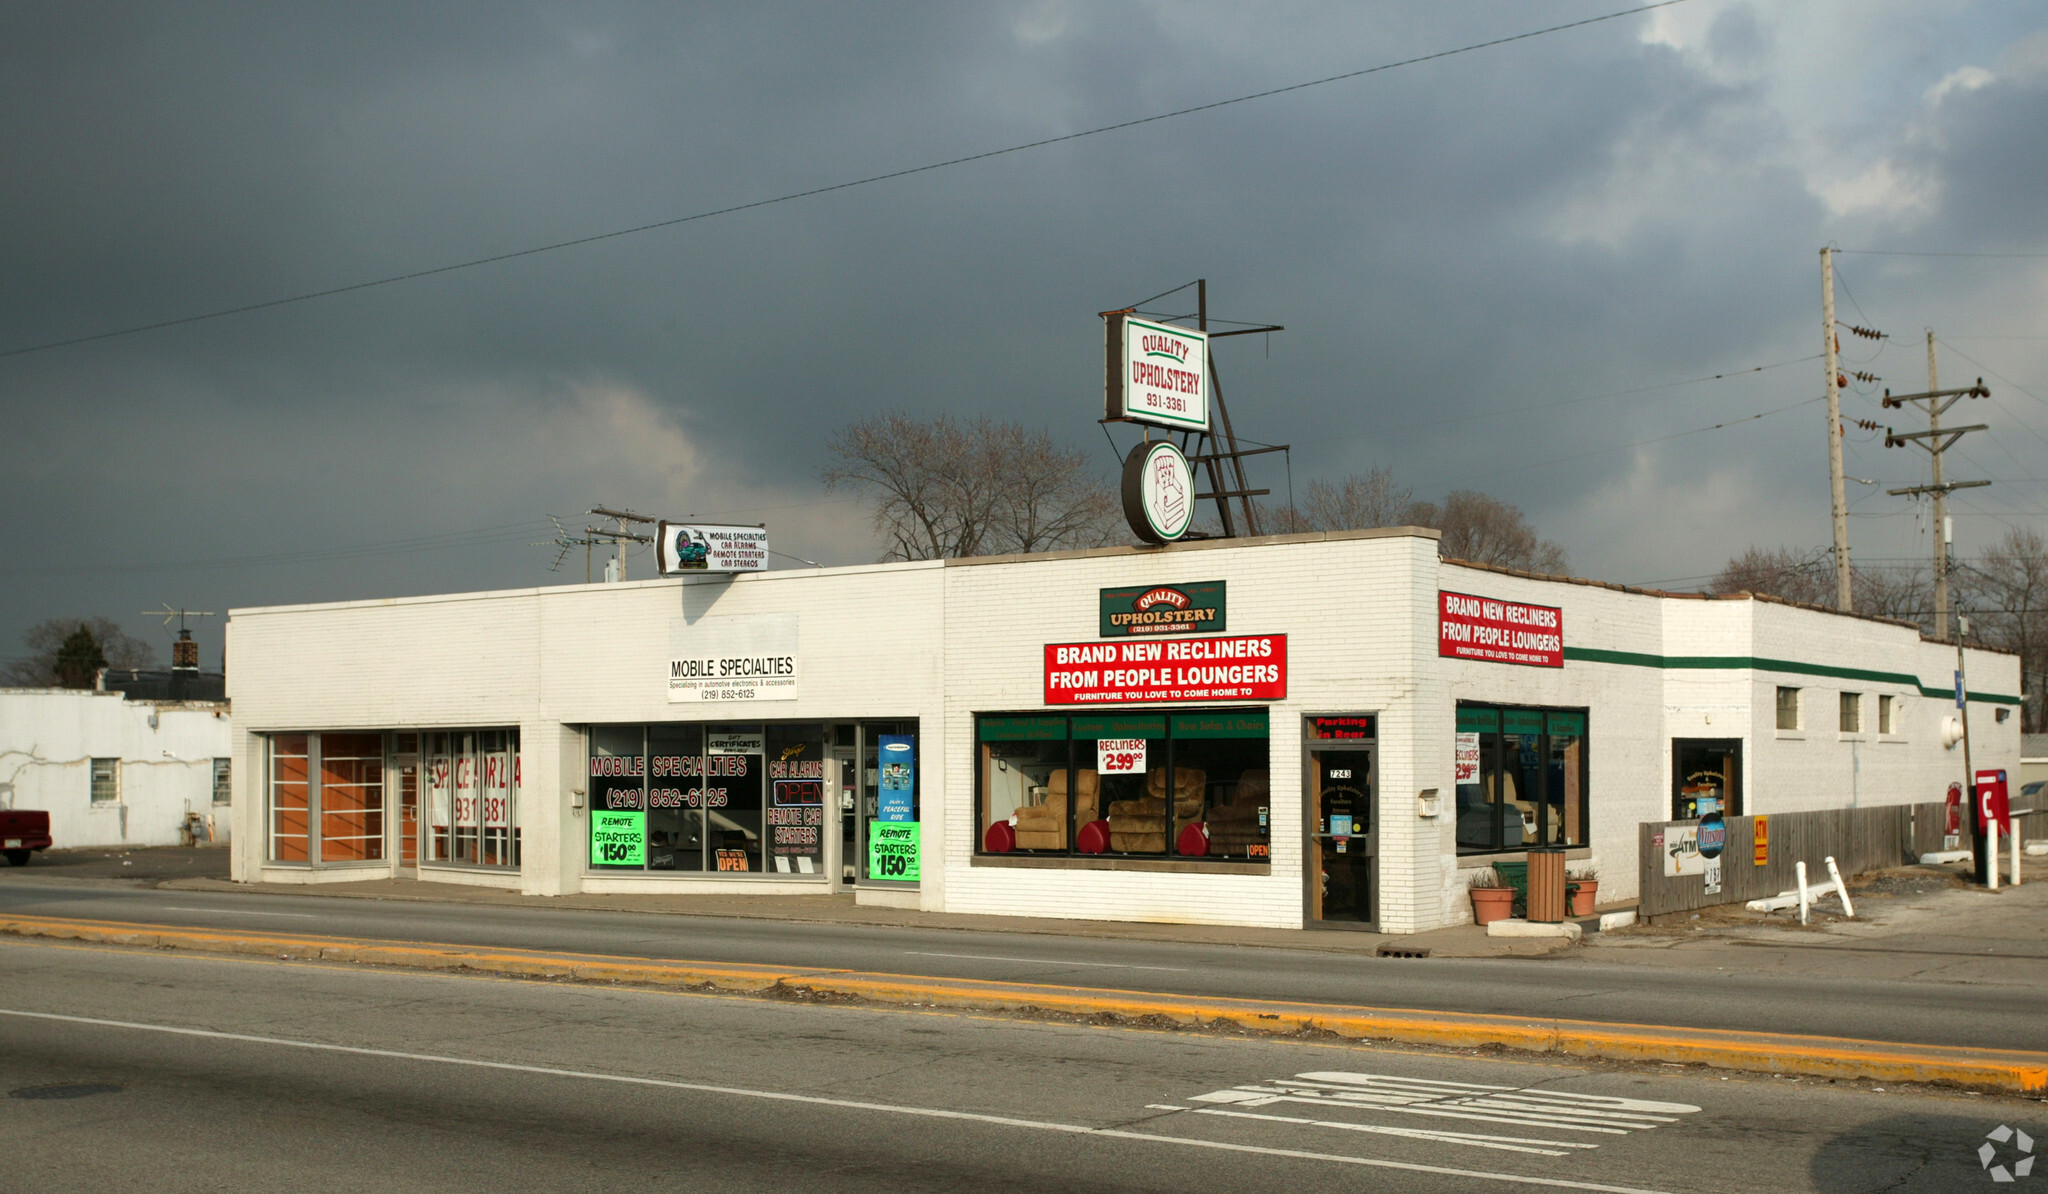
<point x="847" y="803"/>
<point x="1343" y="845"/>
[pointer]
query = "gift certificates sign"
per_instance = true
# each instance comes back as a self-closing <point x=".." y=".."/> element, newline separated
<point x="1250" y="667"/>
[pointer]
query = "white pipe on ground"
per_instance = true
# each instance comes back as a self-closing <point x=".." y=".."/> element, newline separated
<point x="1841" y="888"/>
<point x="1943" y="857"/>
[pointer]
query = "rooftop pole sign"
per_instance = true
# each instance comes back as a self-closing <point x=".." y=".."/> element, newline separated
<point x="681" y="548"/>
<point x="1158" y="373"/>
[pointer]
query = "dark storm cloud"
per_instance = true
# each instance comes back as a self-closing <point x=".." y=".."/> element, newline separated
<point x="1585" y="213"/>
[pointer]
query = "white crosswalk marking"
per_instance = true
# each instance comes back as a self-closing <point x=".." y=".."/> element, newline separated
<point x="1361" y="1098"/>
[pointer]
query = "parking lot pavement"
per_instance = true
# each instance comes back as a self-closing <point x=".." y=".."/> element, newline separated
<point x="142" y="865"/>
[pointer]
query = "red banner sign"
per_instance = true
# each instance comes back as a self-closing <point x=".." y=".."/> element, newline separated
<point x="1245" y="668"/>
<point x="1496" y="631"/>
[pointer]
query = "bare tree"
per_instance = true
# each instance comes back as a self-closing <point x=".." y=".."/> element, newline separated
<point x="1808" y="577"/>
<point x="2014" y="577"/>
<point x="64" y="652"/>
<point x="1356" y="502"/>
<point x="944" y="489"/>
<point x="1784" y="572"/>
<point x="1486" y="530"/>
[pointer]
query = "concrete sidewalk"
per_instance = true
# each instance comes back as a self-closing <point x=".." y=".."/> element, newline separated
<point x="1913" y="924"/>
<point x="1463" y="941"/>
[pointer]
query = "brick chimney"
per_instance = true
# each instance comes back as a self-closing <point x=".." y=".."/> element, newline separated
<point x="185" y="653"/>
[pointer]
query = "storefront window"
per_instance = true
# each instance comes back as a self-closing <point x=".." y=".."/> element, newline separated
<point x="1225" y="754"/>
<point x="743" y="799"/>
<point x="1137" y="784"/>
<point x="472" y="797"/>
<point x="796" y="799"/>
<point x="290" y="802"/>
<point x="1521" y="778"/>
<point x="675" y="798"/>
<point x="351" y="797"/>
<point x="1022" y="760"/>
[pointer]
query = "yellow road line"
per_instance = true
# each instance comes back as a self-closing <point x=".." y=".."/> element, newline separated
<point x="1831" y="1057"/>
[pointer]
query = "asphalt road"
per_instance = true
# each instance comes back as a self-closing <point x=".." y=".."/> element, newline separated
<point x="1987" y="1015"/>
<point x="126" y="1069"/>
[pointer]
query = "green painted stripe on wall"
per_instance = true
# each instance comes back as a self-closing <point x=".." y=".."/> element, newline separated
<point x="1761" y="664"/>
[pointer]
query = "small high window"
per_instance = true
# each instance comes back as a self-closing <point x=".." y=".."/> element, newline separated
<point x="1852" y="713"/>
<point x="1885" y="724"/>
<point x="1788" y="708"/>
<point x="106" y="781"/>
<point x="223" y="775"/>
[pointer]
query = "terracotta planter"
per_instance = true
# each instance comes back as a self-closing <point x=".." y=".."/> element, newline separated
<point x="1492" y="903"/>
<point x="1583" y="893"/>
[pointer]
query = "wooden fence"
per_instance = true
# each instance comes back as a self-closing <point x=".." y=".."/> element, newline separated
<point x="1859" y="839"/>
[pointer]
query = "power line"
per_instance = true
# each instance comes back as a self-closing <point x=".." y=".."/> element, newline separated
<point x="573" y="242"/>
<point x="1910" y="253"/>
<point x="1640" y="443"/>
<point x="1488" y="414"/>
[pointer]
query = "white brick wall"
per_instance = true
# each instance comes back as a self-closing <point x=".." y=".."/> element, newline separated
<point x="941" y="643"/>
<point x="49" y="737"/>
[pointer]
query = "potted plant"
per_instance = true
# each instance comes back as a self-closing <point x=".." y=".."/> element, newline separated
<point x="1491" y="899"/>
<point x="1583" y="888"/>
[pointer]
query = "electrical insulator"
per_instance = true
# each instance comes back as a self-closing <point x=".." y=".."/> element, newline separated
<point x="1861" y="376"/>
<point x="1866" y="333"/>
<point x="1841" y="383"/>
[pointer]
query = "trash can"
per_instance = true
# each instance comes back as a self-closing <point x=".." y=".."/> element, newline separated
<point x="1546" y="885"/>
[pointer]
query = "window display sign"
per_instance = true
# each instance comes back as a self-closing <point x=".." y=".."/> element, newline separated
<point x="1496" y="631"/>
<point x="1158" y="373"/>
<point x="733" y="659"/>
<point x="1120" y="756"/>
<point x="1163" y="609"/>
<point x="681" y="548"/>
<point x="894" y="851"/>
<point x="1248" y="667"/>
<point x="618" y="838"/>
<point x="1467" y="765"/>
<point x="897" y="784"/>
<point x="1341" y="729"/>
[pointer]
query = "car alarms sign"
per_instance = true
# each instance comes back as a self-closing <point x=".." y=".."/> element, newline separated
<point x="1496" y="631"/>
<point x="1242" y="668"/>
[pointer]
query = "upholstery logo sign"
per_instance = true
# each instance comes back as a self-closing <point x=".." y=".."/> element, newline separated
<point x="1162" y="609"/>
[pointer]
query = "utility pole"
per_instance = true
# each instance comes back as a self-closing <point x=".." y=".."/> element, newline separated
<point x="1936" y="440"/>
<point x="1830" y="347"/>
<point x="621" y="536"/>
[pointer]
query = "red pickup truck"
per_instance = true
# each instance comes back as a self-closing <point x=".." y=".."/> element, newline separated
<point x="23" y="832"/>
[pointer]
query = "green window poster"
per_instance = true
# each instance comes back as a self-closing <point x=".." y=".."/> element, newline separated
<point x="894" y="850"/>
<point x="618" y="838"/>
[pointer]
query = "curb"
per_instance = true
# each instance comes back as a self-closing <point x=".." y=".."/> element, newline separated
<point x="1816" y="1056"/>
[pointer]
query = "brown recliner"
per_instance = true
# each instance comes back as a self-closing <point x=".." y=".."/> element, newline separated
<point x="1043" y="826"/>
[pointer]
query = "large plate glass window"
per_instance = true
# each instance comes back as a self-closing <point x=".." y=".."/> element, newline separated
<point x="472" y="797"/>
<point x="1137" y="783"/>
<point x="796" y="799"/>
<point x="675" y="798"/>
<point x="1023" y="759"/>
<point x="1521" y="778"/>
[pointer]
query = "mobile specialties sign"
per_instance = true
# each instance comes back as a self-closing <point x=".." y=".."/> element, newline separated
<point x="1146" y="610"/>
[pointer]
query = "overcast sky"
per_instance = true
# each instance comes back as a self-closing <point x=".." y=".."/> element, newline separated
<point x="1474" y="258"/>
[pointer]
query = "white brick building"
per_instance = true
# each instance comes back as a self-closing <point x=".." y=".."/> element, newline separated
<point x="1326" y="720"/>
<point x="112" y="771"/>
